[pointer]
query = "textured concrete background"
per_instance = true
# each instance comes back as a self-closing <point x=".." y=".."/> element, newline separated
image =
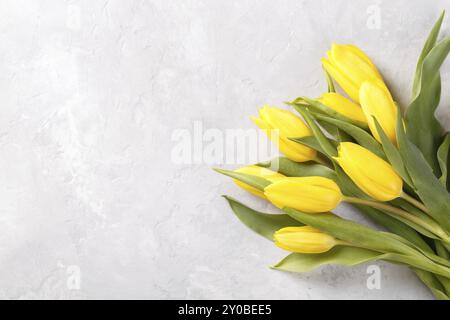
<point x="91" y="203"/>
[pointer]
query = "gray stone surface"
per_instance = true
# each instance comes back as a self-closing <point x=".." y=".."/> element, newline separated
<point x="93" y="205"/>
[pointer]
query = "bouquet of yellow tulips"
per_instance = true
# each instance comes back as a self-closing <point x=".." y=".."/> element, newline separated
<point x="358" y="147"/>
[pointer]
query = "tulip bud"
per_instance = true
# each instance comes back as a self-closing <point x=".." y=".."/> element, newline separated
<point x="253" y="170"/>
<point x="306" y="194"/>
<point x="376" y="102"/>
<point x="304" y="240"/>
<point x="280" y="125"/>
<point x="350" y="67"/>
<point x="343" y="106"/>
<point x="369" y="172"/>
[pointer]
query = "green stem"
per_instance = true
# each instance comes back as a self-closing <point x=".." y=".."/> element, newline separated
<point x="414" y="202"/>
<point x="420" y="263"/>
<point x="414" y="259"/>
<point x="442" y="252"/>
<point x="436" y="229"/>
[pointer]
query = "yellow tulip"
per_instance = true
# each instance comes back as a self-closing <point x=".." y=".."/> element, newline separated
<point x="343" y="106"/>
<point x="376" y="102"/>
<point x="369" y="172"/>
<point x="280" y="125"/>
<point x="304" y="240"/>
<point x="306" y="194"/>
<point x="350" y="67"/>
<point x="253" y="170"/>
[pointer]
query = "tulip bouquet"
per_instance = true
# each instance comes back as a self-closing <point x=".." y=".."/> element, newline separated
<point x="358" y="148"/>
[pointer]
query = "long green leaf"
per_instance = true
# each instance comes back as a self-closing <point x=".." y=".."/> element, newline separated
<point x="393" y="155"/>
<point x="350" y="256"/>
<point x="430" y="190"/>
<point x="298" y="169"/>
<point x="442" y="252"/>
<point x="298" y="262"/>
<point x="310" y="141"/>
<point x="442" y="155"/>
<point x="361" y="136"/>
<point x="338" y="134"/>
<point x="341" y="255"/>
<point x="330" y="83"/>
<point x="395" y="226"/>
<point x="423" y="129"/>
<point x="325" y="143"/>
<point x="418" y="262"/>
<point x="429" y="44"/>
<point x="433" y="283"/>
<point x="416" y="212"/>
<point x="254" y="181"/>
<point x="263" y="224"/>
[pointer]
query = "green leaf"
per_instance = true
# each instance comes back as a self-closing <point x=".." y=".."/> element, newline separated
<point x="325" y="143"/>
<point x="391" y="223"/>
<point x="341" y="135"/>
<point x="429" y="44"/>
<point x="329" y="79"/>
<point x="350" y="256"/>
<point x="338" y="134"/>
<point x="393" y="154"/>
<point x="298" y="169"/>
<point x="416" y="212"/>
<point x="423" y="129"/>
<point x="430" y="190"/>
<point x="312" y="142"/>
<point x="442" y="252"/>
<point x="351" y="232"/>
<point x="395" y="226"/>
<point x="442" y="155"/>
<point x="309" y="141"/>
<point x="316" y="105"/>
<point x="341" y="255"/>
<point x="332" y="130"/>
<point x="366" y="237"/>
<point x="361" y="136"/>
<point x="254" y="181"/>
<point x="417" y="262"/>
<point x="263" y="224"/>
<point x="433" y="283"/>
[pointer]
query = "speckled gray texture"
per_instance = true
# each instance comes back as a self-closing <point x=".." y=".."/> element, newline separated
<point x="91" y="93"/>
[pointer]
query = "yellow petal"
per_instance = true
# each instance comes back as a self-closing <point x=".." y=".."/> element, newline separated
<point x="350" y="67"/>
<point x="295" y="151"/>
<point x="369" y="172"/>
<point x="343" y="105"/>
<point x="304" y="240"/>
<point x="346" y="83"/>
<point x="350" y="61"/>
<point x="280" y="125"/>
<point x="357" y="51"/>
<point x="377" y="102"/>
<point x="285" y="121"/>
<point x="307" y="194"/>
